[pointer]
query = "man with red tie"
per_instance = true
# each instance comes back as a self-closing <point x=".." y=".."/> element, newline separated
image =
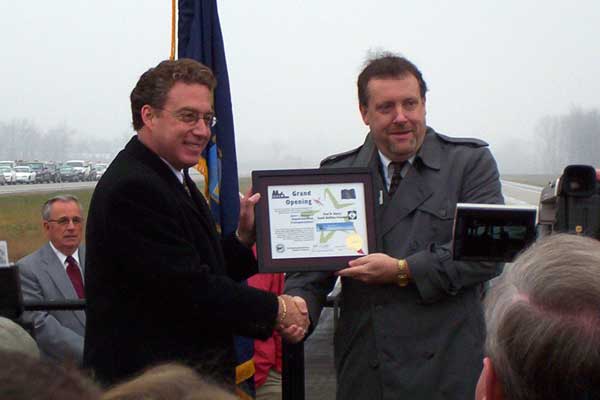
<point x="55" y="272"/>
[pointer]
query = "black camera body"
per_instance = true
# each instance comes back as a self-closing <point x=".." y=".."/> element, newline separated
<point x="571" y="204"/>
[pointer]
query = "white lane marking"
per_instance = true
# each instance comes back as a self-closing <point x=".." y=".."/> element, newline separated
<point x="531" y="188"/>
<point x="515" y="201"/>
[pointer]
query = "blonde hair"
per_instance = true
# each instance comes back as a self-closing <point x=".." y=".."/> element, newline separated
<point x="168" y="382"/>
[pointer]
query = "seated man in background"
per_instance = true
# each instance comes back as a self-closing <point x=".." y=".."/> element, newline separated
<point x="543" y="324"/>
<point x="55" y="272"/>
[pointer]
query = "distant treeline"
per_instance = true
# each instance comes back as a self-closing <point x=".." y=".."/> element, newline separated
<point x="572" y="138"/>
<point x="23" y="140"/>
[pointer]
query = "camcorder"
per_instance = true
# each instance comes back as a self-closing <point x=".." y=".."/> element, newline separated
<point x="489" y="232"/>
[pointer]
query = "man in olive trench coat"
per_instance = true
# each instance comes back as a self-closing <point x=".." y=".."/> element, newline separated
<point x="411" y="323"/>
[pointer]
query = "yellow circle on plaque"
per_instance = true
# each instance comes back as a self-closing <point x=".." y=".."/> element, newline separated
<point x="354" y="242"/>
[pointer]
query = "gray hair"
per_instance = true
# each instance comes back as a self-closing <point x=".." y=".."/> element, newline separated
<point x="67" y="198"/>
<point x="543" y="321"/>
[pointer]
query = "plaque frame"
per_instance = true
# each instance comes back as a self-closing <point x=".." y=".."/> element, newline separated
<point x="263" y="179"/>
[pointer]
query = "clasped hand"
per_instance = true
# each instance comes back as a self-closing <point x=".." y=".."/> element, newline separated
<point x="294" y="324"/>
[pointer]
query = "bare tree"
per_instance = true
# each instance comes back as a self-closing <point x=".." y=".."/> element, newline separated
<point x="573" y="138"/>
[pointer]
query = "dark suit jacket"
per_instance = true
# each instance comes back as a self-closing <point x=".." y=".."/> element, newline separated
<point x="59" y="334"/>
<point x="424" y="341"/>
<point x="159" y="285"/>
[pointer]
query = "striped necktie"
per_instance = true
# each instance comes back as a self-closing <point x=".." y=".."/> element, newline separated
<point x="396" y="177"/>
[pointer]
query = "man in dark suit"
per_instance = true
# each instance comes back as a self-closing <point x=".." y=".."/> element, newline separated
<point x="55" y="272"/>
<point x="411" y="323"/>
<point x="162" y="285"/>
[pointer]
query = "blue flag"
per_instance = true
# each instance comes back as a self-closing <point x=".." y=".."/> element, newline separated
<point x="200" y="38"/>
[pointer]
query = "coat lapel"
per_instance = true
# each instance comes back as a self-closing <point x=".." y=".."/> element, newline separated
<point x="199" y="204"/>
<point x="411" y="193"/>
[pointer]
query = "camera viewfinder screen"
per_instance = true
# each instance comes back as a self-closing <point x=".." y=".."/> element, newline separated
<point x="492" y="234"/>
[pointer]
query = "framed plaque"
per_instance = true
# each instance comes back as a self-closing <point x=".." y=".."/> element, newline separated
<point x="313" y="219"/>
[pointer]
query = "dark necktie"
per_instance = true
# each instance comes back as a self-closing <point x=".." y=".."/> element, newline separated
<point x="186" y="180"/>
<point x="75" y="277"/>
<point x="396" y="177"/>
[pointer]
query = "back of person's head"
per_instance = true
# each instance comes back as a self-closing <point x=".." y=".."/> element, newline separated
<point x="543" y="322"/>
<point x="168" y="382"/>
<point x="24" y="378"/>
<point x="387" y="66"/>
<point x="154" y="85"/>
<point x="14" y="338"/>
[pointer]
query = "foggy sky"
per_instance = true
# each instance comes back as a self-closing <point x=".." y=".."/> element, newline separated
<point x="494" y="69"/>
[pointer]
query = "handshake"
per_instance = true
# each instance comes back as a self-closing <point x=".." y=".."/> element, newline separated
<point x="292" y="318"/>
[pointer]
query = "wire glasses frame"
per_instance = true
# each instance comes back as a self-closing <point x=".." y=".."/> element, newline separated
<point x="192" y="117"/>
<point x="64" y="221"/>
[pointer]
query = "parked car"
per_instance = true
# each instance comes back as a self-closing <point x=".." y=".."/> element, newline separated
<point x="53" y="172"/>
<point x="9" y="164"/>
<point x="93" y="173"/>
<point x="41" y="171"/>
<point x="100" y="168"/>
<point x="81" y="168"/>
<point x="25" y="174"/>
<point x="68" y="173"/>
<point x="9" y="174"/>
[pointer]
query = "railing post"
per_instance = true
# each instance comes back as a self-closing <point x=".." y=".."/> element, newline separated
<point x="292" y="374"/>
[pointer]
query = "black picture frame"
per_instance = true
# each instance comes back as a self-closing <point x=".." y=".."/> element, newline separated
<point x="262" y="180"/>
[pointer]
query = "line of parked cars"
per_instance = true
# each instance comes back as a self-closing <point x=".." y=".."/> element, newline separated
<point x="13" y="172"/>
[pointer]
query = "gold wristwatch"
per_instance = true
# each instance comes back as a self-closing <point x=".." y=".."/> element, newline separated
<point x="402" y="279"/>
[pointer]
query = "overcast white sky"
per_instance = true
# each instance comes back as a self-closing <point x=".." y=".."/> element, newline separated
<point x="494" y="68"/>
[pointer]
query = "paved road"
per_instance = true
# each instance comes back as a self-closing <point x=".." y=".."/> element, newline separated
<point x="519" y="193"/>
<point x="59" y="187"/>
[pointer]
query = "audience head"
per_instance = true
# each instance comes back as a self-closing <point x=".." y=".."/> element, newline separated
<point x="14" y="338"/>
<point x="168" y="382"/>
<point x="62" y="218"/>
<point x="543" y="324"/>
<point x="25" y="378"/>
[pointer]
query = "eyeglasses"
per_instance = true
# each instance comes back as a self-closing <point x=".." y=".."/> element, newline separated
<point x="192" y="117"/>
<point x="64" y="221"/>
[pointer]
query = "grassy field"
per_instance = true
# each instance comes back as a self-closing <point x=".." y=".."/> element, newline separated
<point x="21" y="221"/>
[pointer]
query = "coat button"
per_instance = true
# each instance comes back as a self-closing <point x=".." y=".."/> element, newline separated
<point x="443" y="212"/>
<point x="428" y="355"/>
<point x="374" y="363"/>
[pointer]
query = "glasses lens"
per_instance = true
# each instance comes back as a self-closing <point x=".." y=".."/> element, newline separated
<point x="65" y="221"/>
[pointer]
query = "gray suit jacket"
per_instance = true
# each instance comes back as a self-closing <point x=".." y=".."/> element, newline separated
<point x="59" y="334"/>
<point x="423" y="341"/>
